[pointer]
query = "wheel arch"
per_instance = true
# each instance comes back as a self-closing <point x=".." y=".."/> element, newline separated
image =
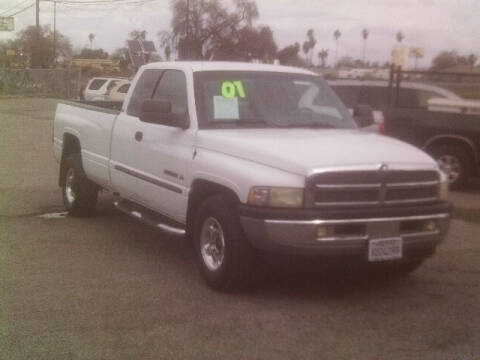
<point x="201" y="190"/>
<point x="71" y="145"/>
<point x="462" y="141"/>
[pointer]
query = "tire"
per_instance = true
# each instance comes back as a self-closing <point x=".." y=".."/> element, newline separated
<point x="79" y="193"/>
<point x="455" y="161"/>
<point x="224" y="256"/>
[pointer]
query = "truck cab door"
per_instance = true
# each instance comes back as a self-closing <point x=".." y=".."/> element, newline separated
<point x="149" y="161"/>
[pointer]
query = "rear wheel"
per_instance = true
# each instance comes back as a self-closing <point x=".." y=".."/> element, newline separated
<point x="79" y="193"/>
<point x="224" y="256"/>
<point x="455" y="162"/>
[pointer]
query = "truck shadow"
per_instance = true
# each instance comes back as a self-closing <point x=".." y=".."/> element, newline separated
<point x="294" y="280"/>
<point x="289" y="277"/>
<point x="473" y="186"/>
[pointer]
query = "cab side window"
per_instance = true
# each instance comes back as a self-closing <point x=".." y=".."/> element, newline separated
<point x="173" y="88"/>
<point x="143" y="90"/>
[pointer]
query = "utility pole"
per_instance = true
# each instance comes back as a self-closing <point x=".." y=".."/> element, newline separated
<point x="54" y="34"/>
<point x="188" y="20"/>
<point x="36" y="58"/>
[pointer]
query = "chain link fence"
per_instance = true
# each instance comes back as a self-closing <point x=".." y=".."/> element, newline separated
<point x="57" y="83"/>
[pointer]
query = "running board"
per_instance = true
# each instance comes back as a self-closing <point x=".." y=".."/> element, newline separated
<point x="150" y="218"/>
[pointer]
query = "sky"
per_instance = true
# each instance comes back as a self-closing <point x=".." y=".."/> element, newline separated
<point x="432" y="24"/>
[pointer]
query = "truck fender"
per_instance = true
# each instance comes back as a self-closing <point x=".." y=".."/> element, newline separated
<point x="202" y="189"/>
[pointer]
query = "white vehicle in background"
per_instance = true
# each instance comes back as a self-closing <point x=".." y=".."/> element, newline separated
<point x="459" y="106"/>
<point x="98" y="88"/>
<point x="119" y="91"/>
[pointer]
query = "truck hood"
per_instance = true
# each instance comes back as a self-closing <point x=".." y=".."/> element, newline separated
<point x="301" y="150"/>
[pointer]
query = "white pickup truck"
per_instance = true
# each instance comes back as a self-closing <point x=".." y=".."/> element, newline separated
<point x="245" y="159"/>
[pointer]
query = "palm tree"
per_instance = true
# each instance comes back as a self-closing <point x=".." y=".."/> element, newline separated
<point x="323" y="54"/>
<point x="336" y="35"/>
<point x="365" y="34"/>
<point x="400" y="37"/>
<point x="91" y="37"/>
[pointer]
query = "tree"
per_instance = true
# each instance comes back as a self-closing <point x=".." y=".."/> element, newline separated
<point x="26" y="42"/>
<point x="201" y="28"/>
<point x="346" y="61"/>
<point x="168" y="52"/>
<point x="309" y="45"/>
<point x="91" y="37"/>
<point x="365" y="34"/>
<point x="446" y="59"/>
<point x="472" y="60"/>
<point x="250" y="43"/>
<point x="289" y="56"/>
<point x="416" y="53"/>
<point x="400" y="36"/>
<point x="337" y="34"/>
<point x="120" y="55"/>
<point x="86" y="53"/>
<point x="138" y="35"/>
<point x="323" y="54"/>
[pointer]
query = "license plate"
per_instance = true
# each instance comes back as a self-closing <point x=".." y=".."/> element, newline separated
<point x="385" y="249"/>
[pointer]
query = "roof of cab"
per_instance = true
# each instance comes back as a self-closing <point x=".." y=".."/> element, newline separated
<point x="196" y="66"/>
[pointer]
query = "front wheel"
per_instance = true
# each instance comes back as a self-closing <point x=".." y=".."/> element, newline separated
<point x="79" y="193"/>
<point x="224" y="256"/>
<point x="455" y="162"/>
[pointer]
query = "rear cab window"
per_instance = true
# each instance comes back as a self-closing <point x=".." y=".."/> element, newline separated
<point x="166" y="85"/>
<point x="124" y="88"/>
<point x="97" y="84"/>
<point x="111" y="84"/>
<point x="143" y="90"/>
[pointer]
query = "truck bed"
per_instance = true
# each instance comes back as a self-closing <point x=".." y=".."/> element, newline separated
<point x="111" y="106"/>
<point x="91" y="122"/>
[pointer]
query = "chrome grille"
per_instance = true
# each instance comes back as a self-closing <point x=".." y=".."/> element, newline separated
<point x="349" y="188"/>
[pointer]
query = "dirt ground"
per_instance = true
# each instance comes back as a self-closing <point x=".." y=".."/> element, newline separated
<point x="108" y="287"/>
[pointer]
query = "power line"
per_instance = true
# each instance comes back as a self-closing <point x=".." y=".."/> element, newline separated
<point x="102" y="2"/>
<point x="107" y="4"/>
<point x="13" y="7"/>
<point x="24" y="9"/>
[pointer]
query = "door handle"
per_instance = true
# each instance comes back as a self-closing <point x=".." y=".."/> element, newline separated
<point x="138" y="136"/>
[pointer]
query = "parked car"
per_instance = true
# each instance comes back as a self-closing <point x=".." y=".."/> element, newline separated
<point x="98" y="88"/>
<point x="247" y="159"/>
<point x="427" y="116"/>
<point x="119" y="91"/>
<point x="375" y="93"/>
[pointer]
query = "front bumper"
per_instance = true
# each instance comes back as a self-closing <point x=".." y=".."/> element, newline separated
<point x="348" y="233"/>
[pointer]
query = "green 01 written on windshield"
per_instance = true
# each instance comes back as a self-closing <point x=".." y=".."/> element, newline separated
<point x="234" y="99"/>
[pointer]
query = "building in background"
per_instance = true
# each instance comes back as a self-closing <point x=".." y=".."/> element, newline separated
<point x="400" y="55"/>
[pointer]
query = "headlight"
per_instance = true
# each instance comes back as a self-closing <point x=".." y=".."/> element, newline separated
<point x="276" y="197"/>
<point x="444" y="185"/>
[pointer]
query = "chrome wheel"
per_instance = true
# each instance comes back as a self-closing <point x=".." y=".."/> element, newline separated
<point x="212" y="244"/>
<point x="69" y="186"/>
<point x="451" y="166"/>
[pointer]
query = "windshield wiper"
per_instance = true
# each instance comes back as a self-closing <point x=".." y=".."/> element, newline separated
<point x="311" y="125"/>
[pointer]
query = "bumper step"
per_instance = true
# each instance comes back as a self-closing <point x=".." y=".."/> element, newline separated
<point x="150" y="218"/>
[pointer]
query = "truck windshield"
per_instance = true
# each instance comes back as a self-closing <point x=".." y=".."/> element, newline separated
<point x="234" y="99"/>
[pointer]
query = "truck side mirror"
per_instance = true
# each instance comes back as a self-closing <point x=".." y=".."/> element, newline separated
<point x="160" y="112"/>
<point x="363" y="115"/>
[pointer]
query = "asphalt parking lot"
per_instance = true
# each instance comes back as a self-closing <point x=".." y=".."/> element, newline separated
<point x="111" y="288"/>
